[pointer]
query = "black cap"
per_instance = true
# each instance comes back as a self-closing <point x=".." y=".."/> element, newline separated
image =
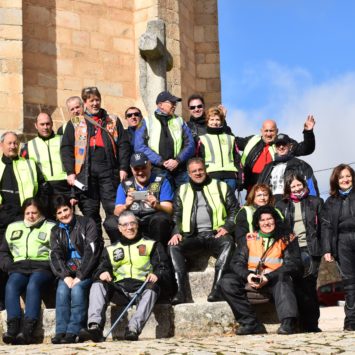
<point x="139" y="159"/>
<point x="166" y="96"/>
<point x="282" y="138"/>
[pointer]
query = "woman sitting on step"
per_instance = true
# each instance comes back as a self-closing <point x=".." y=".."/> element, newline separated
<point x="75" y="251"/>
<point x="24" y="254"/>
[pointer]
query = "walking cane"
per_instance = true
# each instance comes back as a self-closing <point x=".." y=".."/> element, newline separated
<point x="136" y="294"/>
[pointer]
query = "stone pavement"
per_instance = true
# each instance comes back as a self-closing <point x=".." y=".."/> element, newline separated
<point x="331" y="341"/>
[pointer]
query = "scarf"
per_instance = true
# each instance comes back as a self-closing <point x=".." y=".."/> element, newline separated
<point x="300" y="196"/>
<point x="72" y="252"/>
<point x="346" y="192"/>
<point x="29" y="224"/>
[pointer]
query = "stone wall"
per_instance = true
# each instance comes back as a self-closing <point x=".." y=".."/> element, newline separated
<point x="50" y="49"/>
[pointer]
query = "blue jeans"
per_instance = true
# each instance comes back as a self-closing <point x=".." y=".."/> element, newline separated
<point x="231" y="182"/>
<point x="17" y="284"/>
<point x="175" y="178"/>
<point x="71" y="306"/>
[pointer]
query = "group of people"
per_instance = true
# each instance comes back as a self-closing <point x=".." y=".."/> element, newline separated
<point x="168" y="188"/>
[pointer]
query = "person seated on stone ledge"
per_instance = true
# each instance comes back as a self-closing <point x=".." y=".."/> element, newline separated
<point x="153" y="210"/>
<point x="266" y="260"/>
<point x="204" y="213"/>
<point x="123" y="268"/>
<point x="24" y="254"/>
<point x="75" y="251"/>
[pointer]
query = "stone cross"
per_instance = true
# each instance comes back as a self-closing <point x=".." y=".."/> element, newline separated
<point x="154" y="62"/>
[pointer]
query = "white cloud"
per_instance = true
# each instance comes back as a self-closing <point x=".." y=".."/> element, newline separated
<point x="294" y="96"/>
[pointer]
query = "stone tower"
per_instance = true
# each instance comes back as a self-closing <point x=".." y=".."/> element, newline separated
<point x="50" y="49"/>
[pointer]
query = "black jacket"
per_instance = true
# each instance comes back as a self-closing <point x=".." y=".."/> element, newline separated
<point x="331" y="215"/>
<point x="158" y="259"/>
<point x="85" y="239"/>
<point x="303" y="148"/>
<point x="123" y="149"/>
<point x="293" y="166"/>
<point x="292" y="264"/>
<point x="241" y="225"/>
<point x="231" y="205"/>
<point x="311" y="207"/>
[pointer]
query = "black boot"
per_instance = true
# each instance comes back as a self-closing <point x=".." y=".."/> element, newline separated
<point x="26" y="336"/>
<point x="288" y="326"/>
<point x="13" y="328"/>
<point x="180" y="296"/>
<point x="215" y="294"/>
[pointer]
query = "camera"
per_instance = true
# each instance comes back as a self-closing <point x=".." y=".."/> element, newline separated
<point x="256" y="279"/>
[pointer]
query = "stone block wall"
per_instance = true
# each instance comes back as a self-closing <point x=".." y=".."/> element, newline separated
<point x="50" y="49"/>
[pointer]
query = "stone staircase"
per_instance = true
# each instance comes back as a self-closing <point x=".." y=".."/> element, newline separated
<point x="199" y="318"/>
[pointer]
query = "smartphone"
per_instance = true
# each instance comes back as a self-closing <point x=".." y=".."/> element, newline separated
<point x="139" y="195"/>
<point x="256" y="280"/>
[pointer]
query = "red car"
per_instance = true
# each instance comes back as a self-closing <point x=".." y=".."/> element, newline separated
<point x="330" y="294"/>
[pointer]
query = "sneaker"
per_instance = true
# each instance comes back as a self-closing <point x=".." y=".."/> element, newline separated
<point x="258" y="328"/>
<point x="57" y="338"/>
<point x="69" y="339"/>
<point x="131" y="335"/>
<point x="92" y="332"/>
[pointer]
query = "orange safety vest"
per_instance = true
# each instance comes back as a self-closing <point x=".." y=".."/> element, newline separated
<point x="81" y="138"/>
<point x="261" y="260"/>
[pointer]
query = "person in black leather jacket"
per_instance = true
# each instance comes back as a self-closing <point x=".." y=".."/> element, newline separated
<point x="204" y="212"/>
<point x="303" y="213"/>
<point x="266" y="261"/>
<point x="75" y="251"/>
<point x="338" y="234"/>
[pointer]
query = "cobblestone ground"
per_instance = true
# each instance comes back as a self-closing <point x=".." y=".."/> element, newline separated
<point x="320" y="343"/>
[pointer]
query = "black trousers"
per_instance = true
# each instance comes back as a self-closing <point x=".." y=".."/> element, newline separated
<point x="307" y="298"/>
<point x="102" y="188"/>
<point x="346" y="255"/>
<point x="233" y="290"/>
<point x="221" y="248"/>
<point x="156" y="226"/>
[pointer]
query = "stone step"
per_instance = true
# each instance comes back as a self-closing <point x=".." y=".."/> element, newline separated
<point x="201" y="284"/>
<point x="185" y="320"/>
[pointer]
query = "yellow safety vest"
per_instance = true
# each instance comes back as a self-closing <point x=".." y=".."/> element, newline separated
<point x="215" y="193"/>
<point x="154" y="129"/>
<point x="219" y="152"/>
<point x="26" y="177"/>
<point x="131" y="261"/>
<point x="29" y="243"/>
<point x="251" y="144"/>
<point x="46" y="153"/>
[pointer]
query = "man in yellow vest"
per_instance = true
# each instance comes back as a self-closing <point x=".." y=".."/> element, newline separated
<point x="166" y="140"/>
<point x="266" y="260"/>
<point x="124" y="267"/>
<point x="45" y="151"/>
<point x="204" y="211"/>
<point x="259" y="150"/>
<point x="19" y="179"/>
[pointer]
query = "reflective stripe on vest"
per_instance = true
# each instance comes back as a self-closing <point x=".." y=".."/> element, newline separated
<point x="26" y="177"/>
<point x="251" y="144"/>
<point x="219" y="152"/>
<point x="154" y="129"/>
<point x="47" y="155"/>
<point x="215" y="195"/>
<point x="131" y="261"/>
<point x="29" y="243"/>
<point x="272" y="259"/>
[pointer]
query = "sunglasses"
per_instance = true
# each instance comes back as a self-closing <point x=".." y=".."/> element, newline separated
<point x="194" y="107"/>
<point x="90" y="88"/>
<point x="133" y="114"/>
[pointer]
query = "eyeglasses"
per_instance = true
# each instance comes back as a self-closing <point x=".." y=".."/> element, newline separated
<point x="133" y="114"/>
<point x="262" y="195"/>
<point x="194" y="107"/>
<point x="128" y="224"/>
<point x="90" y="88"/>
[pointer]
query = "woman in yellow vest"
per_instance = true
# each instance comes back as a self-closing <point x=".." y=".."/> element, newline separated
<point x="24" y="254"/>
<point x="219" y="150"/>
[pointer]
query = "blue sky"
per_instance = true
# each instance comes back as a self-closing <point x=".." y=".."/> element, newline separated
<point x="285" y="59"/>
